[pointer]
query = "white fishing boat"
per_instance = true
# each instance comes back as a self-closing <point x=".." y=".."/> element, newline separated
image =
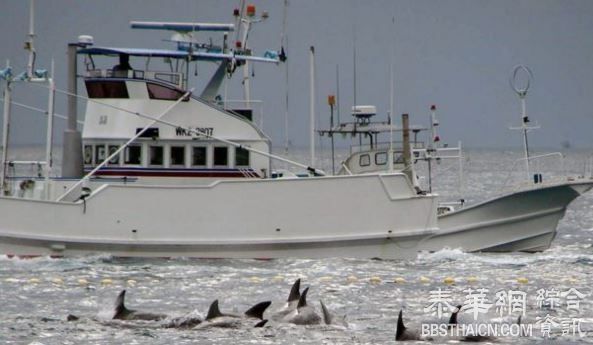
<point x="524" y="217"/>
<point x="161" y="171"/>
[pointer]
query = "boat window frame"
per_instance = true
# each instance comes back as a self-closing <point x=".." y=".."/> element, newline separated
<point x="368" y="162"/>
<point x="106" y="89"/>
<point x="226" y="148"/>
<point x="382" y="154"/>
<point x="205" y="147"/>
<point x="152" y="90"/>
<point x="240" y="149"/>
<point x="115" y="160"/>
<point x="126" y="154"/>
<point x="183" y="156"/>
<point x="91" y="155"/>
<point x="97" y="150"/>
<point x="150" y="155"/>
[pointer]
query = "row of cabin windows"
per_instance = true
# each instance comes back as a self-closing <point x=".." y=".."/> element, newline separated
<point x="118" y="89"/>
<point x="380" y="159"/>
<point x="132" y="155"/>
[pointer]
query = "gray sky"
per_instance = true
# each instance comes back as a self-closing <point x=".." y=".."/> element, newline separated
<point x="457" y="54"/>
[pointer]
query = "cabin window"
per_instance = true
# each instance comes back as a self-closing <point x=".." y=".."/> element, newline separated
<point x="199" y="156"/>
<point x="398" y="158"/>
<point x="156" y="91"/>
<point x="115" y="159"/>
<point x="178" y="155"/>
<point x="100" y="154"/>
<point x="241" y="157"/>
<point x="381" y="158"/>
<point x="133" y="154"/>
<point x="221" y="156"/>
<point x="106" y="89"/>
<point x="88" y="154"/>
<point x="155" y="155"/>
<point x="364" y="160"/>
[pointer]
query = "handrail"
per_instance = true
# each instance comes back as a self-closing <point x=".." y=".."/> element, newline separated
<point x="248" y="173"/>
<point x="385" y="145"/>
<point x="173" y="78"/>
<point x="26" y="162"/>
<point x="529" y="182"/>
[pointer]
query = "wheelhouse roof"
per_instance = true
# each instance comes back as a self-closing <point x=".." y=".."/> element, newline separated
<point x="175" y="54"/>
<point x="182" y="27"/>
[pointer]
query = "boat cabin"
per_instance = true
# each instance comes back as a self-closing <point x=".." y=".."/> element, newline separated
<point x="188" y="135"/>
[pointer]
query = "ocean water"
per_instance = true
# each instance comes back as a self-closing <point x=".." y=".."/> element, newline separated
<point x="37" y="295"/>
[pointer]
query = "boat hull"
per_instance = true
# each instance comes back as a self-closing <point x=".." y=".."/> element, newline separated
<point x="361" y="216"/>
<point x="344" y="216"/>
<point x="522" y="221"/>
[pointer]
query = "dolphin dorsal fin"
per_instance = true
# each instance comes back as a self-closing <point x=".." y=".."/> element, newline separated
<point x="258" y="310"/>
<point x="213" y="311"/>
<point x="327" y="317"/>
<point x="400" y="326"/>
<point x="295" y="291"/>
<point x="303" y="299"/>
<point x="261" y="323"/>
<point x="119" y="306"/>
<point x="453" y="318"/>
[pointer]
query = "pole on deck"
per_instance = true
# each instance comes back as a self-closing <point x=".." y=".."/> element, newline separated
<point x="72" y="148"/>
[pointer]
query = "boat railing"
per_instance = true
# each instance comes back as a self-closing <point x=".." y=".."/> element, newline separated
<point x="589" y="167"/>
<point x="166" y="77"/>
<point x="248" y="173"/>
<point x="535" y="175"/>
<point x="21" y="176"/>
<point x="384" y="146"/>
<point x="19" y="169"/>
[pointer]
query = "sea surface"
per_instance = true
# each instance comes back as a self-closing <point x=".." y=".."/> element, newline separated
<point x="37" y="295"/>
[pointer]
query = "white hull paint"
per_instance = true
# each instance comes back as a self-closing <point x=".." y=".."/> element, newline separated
<point x="280" y="218"/>
<point x="232" y="219"/>
<point x="521" y="221"/>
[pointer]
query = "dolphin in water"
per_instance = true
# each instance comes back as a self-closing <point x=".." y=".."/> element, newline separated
<point x="402" y="333"/>
<point x="123" y="313"/>
<point x="186" y="322"/>
<point x="291" y="302"/>
<point x="453" y="317"/>
<point x="469" y="338"/>
<point x="330" y="319"/>
<point x="304" y="313"/>
<point x="522" y="332"/>
<point x="216" y="318"/>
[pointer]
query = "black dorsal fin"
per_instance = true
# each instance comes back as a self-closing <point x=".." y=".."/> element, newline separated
<point x="327" y="317"/>
<point x="120" y="308"/>
<point x="261" y="323"/>
<point x="399" y="332"/>
<point x="258" y="310"/>
<point x="453" y="318"/>
<point x="213" y="311"/>
<point x="303" y="299"/>
<point x="295" y="291"/>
